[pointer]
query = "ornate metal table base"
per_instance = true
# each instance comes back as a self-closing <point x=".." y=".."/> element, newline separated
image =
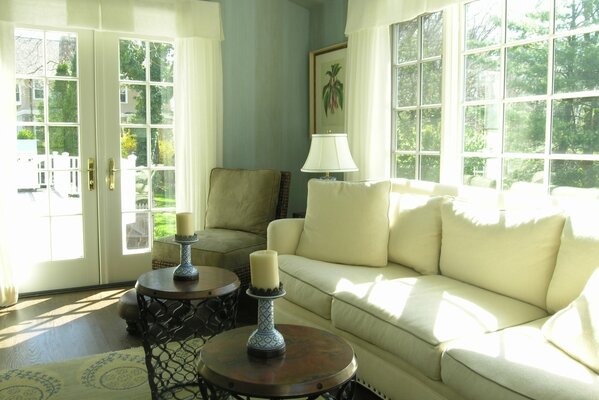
<point x="177" y="318"/>
<point x="345" y="391"/>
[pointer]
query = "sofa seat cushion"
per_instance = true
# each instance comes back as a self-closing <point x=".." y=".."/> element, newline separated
<point x="414" y="317"/>
<point x="215" y="247"/>
<point x="311" y="283"/>
<point x="516" y="363"/>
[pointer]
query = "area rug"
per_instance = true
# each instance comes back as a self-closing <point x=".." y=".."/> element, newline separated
<point x="115" y="375"/>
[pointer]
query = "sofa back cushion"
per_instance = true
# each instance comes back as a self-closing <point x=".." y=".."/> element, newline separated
<point x="577" y="258"/>
<point x="243" y="200"/>
<point x="415" y="231"/>
<point x="346" y="223"/>
<point x="509" y="252"/>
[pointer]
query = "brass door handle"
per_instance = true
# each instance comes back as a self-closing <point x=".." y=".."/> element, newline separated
<point x="91" y="182"/>
<point x="111" y="174"/>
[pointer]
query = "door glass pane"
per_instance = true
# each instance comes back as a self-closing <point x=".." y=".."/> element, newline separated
<point x="165" y="224"/>
<point x="132" y="54"/>
<point x="62" y="101"/>
<point x="29" y="52"/>
<point x="147" y="142"/>
<point x="61" y="54"/>
<point x="31" y="106"/>
<point x="163" y="185"/>
<point x="525" y="127"/>
<point x="133" y="109"/>
<point x="48" y="155"/>
<point x="162" y="56"/>
<point x="163" y="147"/>
<point x="136" y="231"/>
<point x="407" y="85"/>
<point x="162" y="103"/>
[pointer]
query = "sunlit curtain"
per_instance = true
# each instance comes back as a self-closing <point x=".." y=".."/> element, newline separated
<point x="368" y="83"/>
<point x="369" y="103"/>
<point x="198" y="121"/>
<point x="8" y="287"/>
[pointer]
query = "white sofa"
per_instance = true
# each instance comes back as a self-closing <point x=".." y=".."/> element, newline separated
<point x="449" y="292"/>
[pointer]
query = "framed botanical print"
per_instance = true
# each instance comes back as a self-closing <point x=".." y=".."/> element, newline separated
<point x="327" y="89"/>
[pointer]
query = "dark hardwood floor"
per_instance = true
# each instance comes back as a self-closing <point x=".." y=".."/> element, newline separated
<point x="51" y="328"/>
<point x="58" y="327"/>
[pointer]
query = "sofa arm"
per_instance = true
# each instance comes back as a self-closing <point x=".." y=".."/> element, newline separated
<point x="283" y="235"/>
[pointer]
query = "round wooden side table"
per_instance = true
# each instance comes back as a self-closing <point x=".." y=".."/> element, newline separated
<point x="177" y="318"/>
<point x="315" y="363"/>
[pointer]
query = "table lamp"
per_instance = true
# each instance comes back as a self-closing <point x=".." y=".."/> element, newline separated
<point x="328" y="153"/>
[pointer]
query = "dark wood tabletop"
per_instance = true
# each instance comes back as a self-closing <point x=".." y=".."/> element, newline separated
<point x="212" y="282"/>
<point x="315" y="361"/>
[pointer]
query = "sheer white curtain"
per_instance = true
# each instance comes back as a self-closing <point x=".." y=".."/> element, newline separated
<point x="198" y="121"/>
<point x="369" y="79"/>
<point x="8" y="287"/>
<point x="369" y="102"/>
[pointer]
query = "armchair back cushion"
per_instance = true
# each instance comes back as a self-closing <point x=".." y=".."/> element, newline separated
<point x="346" y="223"/>
<point x="243" y="200"/>
<point x="509" y="252"/>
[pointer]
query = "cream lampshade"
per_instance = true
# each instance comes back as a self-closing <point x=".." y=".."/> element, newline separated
<point x="328" y="153"/>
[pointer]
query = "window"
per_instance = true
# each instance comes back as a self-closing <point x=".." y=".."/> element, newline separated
<point x="147" y="140"/>
<point x="417" y="73"/>
<point x="529" y="98"/>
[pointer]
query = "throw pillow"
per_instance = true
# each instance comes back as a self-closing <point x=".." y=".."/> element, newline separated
<point x="415" y="231"/>
<point x="575" y="329"/>
<point x="243" y="200"/>
<point x="577" y="258"/>
<point x="346" y="223"/>
<point x="511" y="252"/>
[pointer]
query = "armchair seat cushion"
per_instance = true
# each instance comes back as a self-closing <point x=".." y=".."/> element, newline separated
<point x="215" y="247"/>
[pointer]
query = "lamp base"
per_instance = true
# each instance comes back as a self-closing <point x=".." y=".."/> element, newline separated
<point x="328" y="178"/>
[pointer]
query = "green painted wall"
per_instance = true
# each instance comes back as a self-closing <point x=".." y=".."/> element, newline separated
<point x="265" y="79"/>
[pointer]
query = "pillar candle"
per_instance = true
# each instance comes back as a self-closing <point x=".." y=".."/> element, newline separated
<point x="264" y="269"/>
<point x="185" y="225"/>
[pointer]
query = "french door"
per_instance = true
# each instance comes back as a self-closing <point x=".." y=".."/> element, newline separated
<point x="95" y="154"/>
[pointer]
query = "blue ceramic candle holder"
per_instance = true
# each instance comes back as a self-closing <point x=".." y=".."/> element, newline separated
<point x="266" y="341"/>
<point x="185" y="271"/>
